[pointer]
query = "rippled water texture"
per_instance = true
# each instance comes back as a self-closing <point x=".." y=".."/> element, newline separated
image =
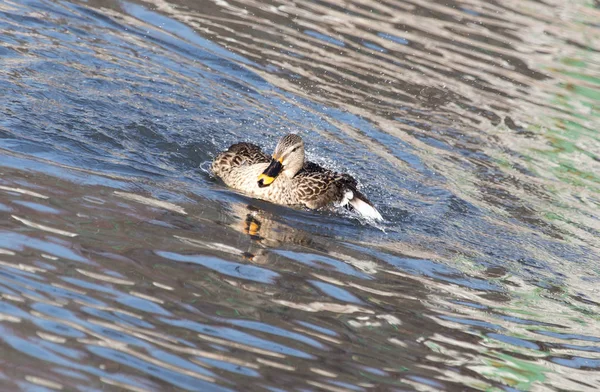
<point x="472" y="125"/>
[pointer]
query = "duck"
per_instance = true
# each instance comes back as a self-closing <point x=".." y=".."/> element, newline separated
<point x="287" y="178"/>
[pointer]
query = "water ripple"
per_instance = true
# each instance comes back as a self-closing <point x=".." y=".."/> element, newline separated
<point x="472" y="126"/>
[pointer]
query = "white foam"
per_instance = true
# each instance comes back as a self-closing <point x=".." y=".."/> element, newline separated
<point x="366" y="210"/>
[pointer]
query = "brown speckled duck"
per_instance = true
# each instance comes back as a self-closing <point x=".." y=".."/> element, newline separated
<point x="286" y="178"/>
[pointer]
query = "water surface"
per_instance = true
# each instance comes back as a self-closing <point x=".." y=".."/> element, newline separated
<point x="473" y="126"/>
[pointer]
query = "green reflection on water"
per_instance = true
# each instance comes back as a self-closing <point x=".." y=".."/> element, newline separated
<point x="571" y="136"/>
<point x="514" y="372"/>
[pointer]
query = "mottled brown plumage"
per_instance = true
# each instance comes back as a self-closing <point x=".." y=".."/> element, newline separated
<point x="237" y="155"/>
<point x="287" y="178"/>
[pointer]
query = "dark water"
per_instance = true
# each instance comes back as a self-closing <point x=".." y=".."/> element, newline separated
<point x="472" y="125"/>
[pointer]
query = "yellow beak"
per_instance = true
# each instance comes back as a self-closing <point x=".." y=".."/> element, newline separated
<point x="270" y="174"/>
<point x="264" y="180"/>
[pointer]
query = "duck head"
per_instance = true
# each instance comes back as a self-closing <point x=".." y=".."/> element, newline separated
<point x="288" y="159"/>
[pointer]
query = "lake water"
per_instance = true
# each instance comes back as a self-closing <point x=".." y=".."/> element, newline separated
<point x="472" y="125"/>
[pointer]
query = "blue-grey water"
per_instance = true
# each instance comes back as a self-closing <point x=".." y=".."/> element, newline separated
<point x="472" y="125"/>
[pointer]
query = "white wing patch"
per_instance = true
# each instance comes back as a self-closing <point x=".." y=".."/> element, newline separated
<point x="348" y="195"/>
<point x="365" y="209"/>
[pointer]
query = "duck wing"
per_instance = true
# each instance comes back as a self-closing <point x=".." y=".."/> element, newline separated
<point x="318" y="187"/>
<point x="237" y="155"/>
<point x="312" y="167"/>
<point x="247" y="154"/>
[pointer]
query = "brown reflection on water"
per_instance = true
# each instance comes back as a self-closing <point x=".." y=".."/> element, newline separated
<point x="113" y="309"/>
<point x="146" y="297"/>
<point x="116" y="288"/>
<point x="458" y="81"/>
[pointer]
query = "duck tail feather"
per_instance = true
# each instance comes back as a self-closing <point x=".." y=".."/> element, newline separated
<point x="360" y="203"/>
